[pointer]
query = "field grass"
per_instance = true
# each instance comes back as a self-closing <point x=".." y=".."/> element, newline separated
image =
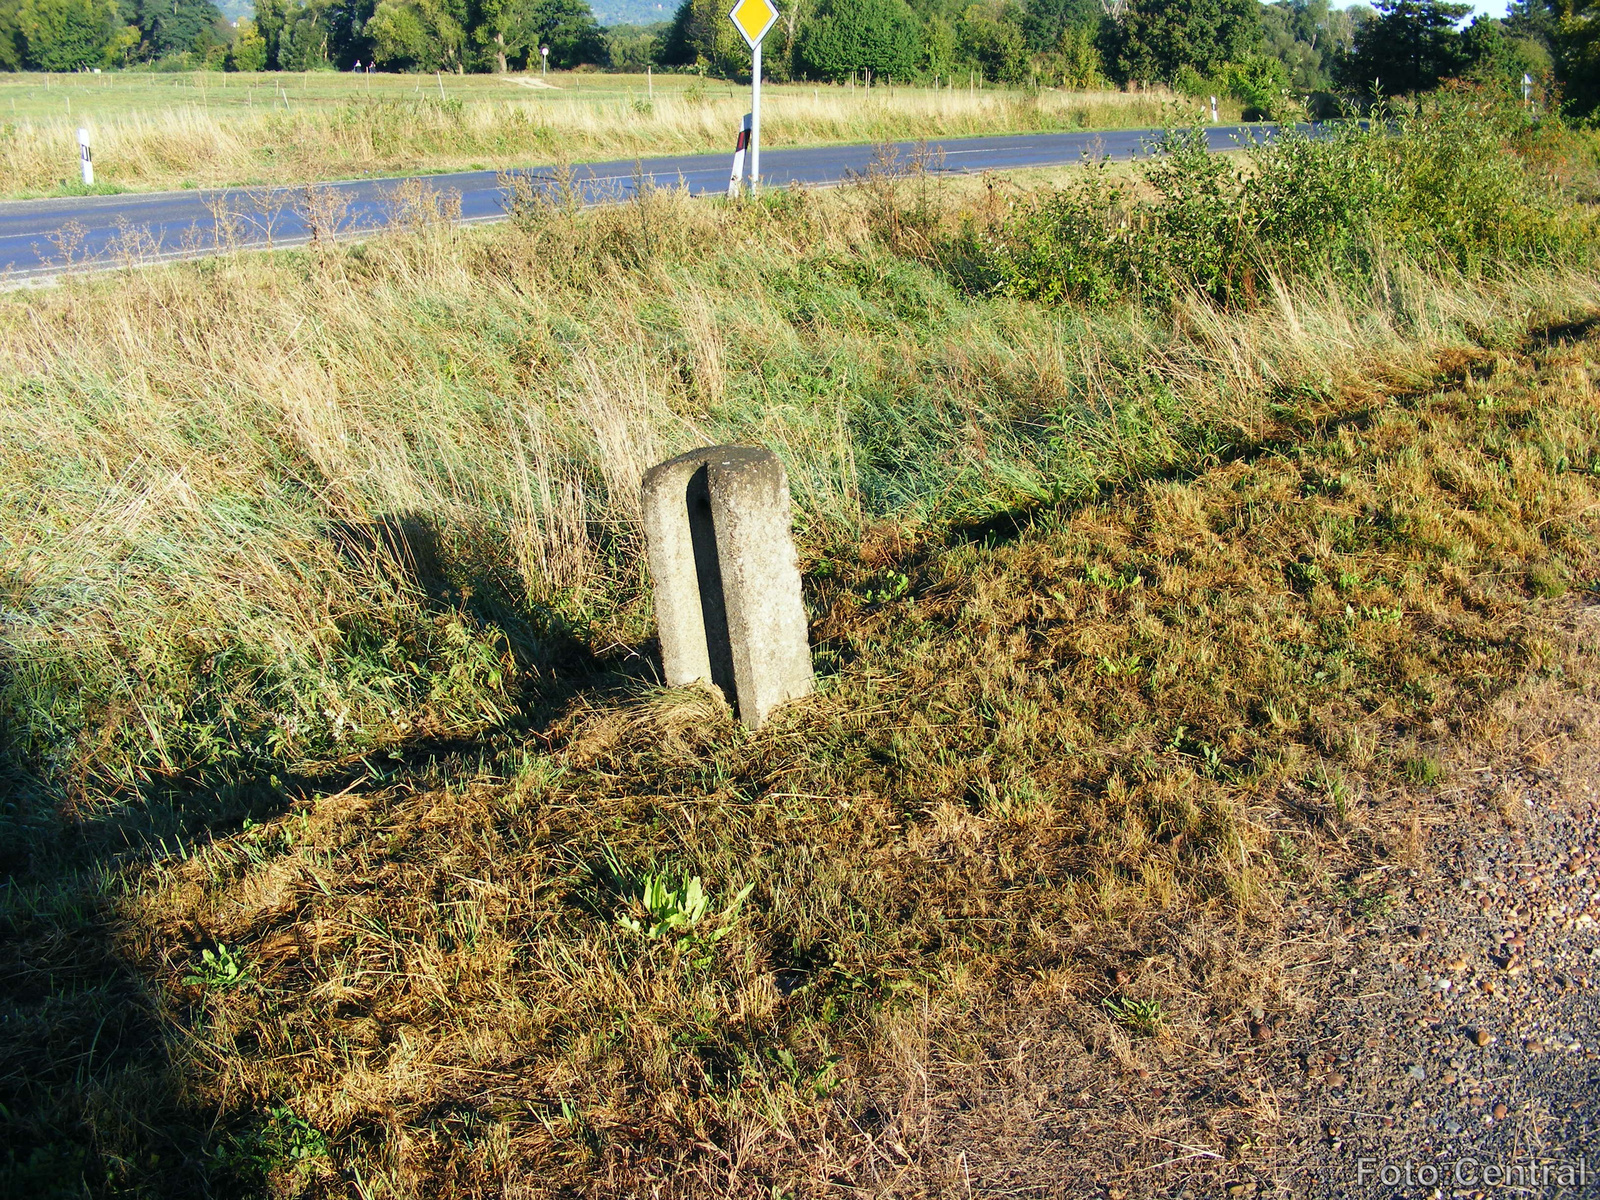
<point x="208" y="129"/>
<point x="339" y="777"/>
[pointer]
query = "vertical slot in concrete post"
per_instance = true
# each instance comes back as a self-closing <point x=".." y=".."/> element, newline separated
<point x="727" y="583"/>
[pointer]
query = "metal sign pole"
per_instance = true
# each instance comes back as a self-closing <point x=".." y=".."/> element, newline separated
<point x="755" y="119"/>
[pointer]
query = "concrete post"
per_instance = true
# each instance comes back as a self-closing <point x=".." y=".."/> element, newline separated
<point x="727" y="584"/>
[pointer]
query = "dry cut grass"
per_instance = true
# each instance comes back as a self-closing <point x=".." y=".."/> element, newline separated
<point x="1084" y="768"/>
<point x="205" y="145"/>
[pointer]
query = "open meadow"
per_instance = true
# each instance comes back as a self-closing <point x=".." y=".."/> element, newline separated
<point x="210" y="129"/>
<point x="1173" y="540"/>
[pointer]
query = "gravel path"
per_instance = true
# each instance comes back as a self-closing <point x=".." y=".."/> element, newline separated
<point x="1459" y="1036"/>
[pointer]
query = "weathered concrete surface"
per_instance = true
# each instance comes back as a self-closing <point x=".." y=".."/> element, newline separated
<point x="727" y="583"/>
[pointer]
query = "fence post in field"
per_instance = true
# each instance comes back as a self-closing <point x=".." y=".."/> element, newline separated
<point x="85" y="159"/>
<point x="727" y="583"/>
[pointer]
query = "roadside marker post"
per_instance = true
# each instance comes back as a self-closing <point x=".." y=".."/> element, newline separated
<point x="752" y="18"/>
<point x="544" y="54"/>
<point x="85" y="158"/>
<point x="1527" y="87"/>
<point x="1213" y="110"/>
<point x="739" y="148"/>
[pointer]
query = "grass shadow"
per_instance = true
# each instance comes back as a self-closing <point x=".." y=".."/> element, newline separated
<point x="93" y="1095"/>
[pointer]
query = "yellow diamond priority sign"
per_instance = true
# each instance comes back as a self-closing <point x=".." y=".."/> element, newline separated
<point x="753" y="18"/>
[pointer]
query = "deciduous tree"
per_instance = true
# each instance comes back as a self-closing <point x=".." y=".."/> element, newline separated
<point x="1156" y="38"/>
<point x="846" y="36"/>
<point x="1577" y="46"/>
<point x="990" y="36"/>
<point x="1409" y="47"/>
<point x="59" y="35"/>
<point x="174" y="26"/>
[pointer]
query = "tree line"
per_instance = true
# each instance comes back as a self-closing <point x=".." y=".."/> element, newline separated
<point x="299" y="35"/>
<point x="1272" y="56"/>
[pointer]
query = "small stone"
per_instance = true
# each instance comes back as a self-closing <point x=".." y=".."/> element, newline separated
<point x="1261" y="1031"/>
<point x="1456" y="964"/>
<point x="1447" y="1078"/>
<point x="1452" y="1126"/>
<point x="1418" y="1071"/>
<point x="1481" y="1037"/>
<point x="1500" y="1112"/>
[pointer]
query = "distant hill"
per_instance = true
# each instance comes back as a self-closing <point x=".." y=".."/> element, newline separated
<point x="633" y="12"/>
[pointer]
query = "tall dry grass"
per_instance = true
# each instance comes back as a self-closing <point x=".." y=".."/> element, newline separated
<point x="194" y="146"/>
<point x="291" y="508"/>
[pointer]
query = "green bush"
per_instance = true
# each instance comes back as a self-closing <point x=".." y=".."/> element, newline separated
<point x="1261" y="83"/>
<point x="1464" y="181"/>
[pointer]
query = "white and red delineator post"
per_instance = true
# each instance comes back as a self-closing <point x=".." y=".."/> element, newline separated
<point x="739" y="148"/>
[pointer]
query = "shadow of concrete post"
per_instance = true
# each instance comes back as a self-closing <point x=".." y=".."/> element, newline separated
<point x="727" y="583"/>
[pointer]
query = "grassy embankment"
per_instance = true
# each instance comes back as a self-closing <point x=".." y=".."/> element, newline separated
<point x="210" y="130"/>
<point x="1151" y="593"/>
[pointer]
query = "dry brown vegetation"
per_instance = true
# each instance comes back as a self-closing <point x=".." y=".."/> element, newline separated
<point x="1142" y="634"/>
<point x="1093" y="760"/>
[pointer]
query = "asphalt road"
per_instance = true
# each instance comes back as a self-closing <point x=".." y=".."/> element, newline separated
<point x="46" y="237"/>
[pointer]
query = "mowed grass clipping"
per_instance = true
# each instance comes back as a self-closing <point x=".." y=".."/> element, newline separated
<point x="211" y="130"/>
<point x="354" y="851"/>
